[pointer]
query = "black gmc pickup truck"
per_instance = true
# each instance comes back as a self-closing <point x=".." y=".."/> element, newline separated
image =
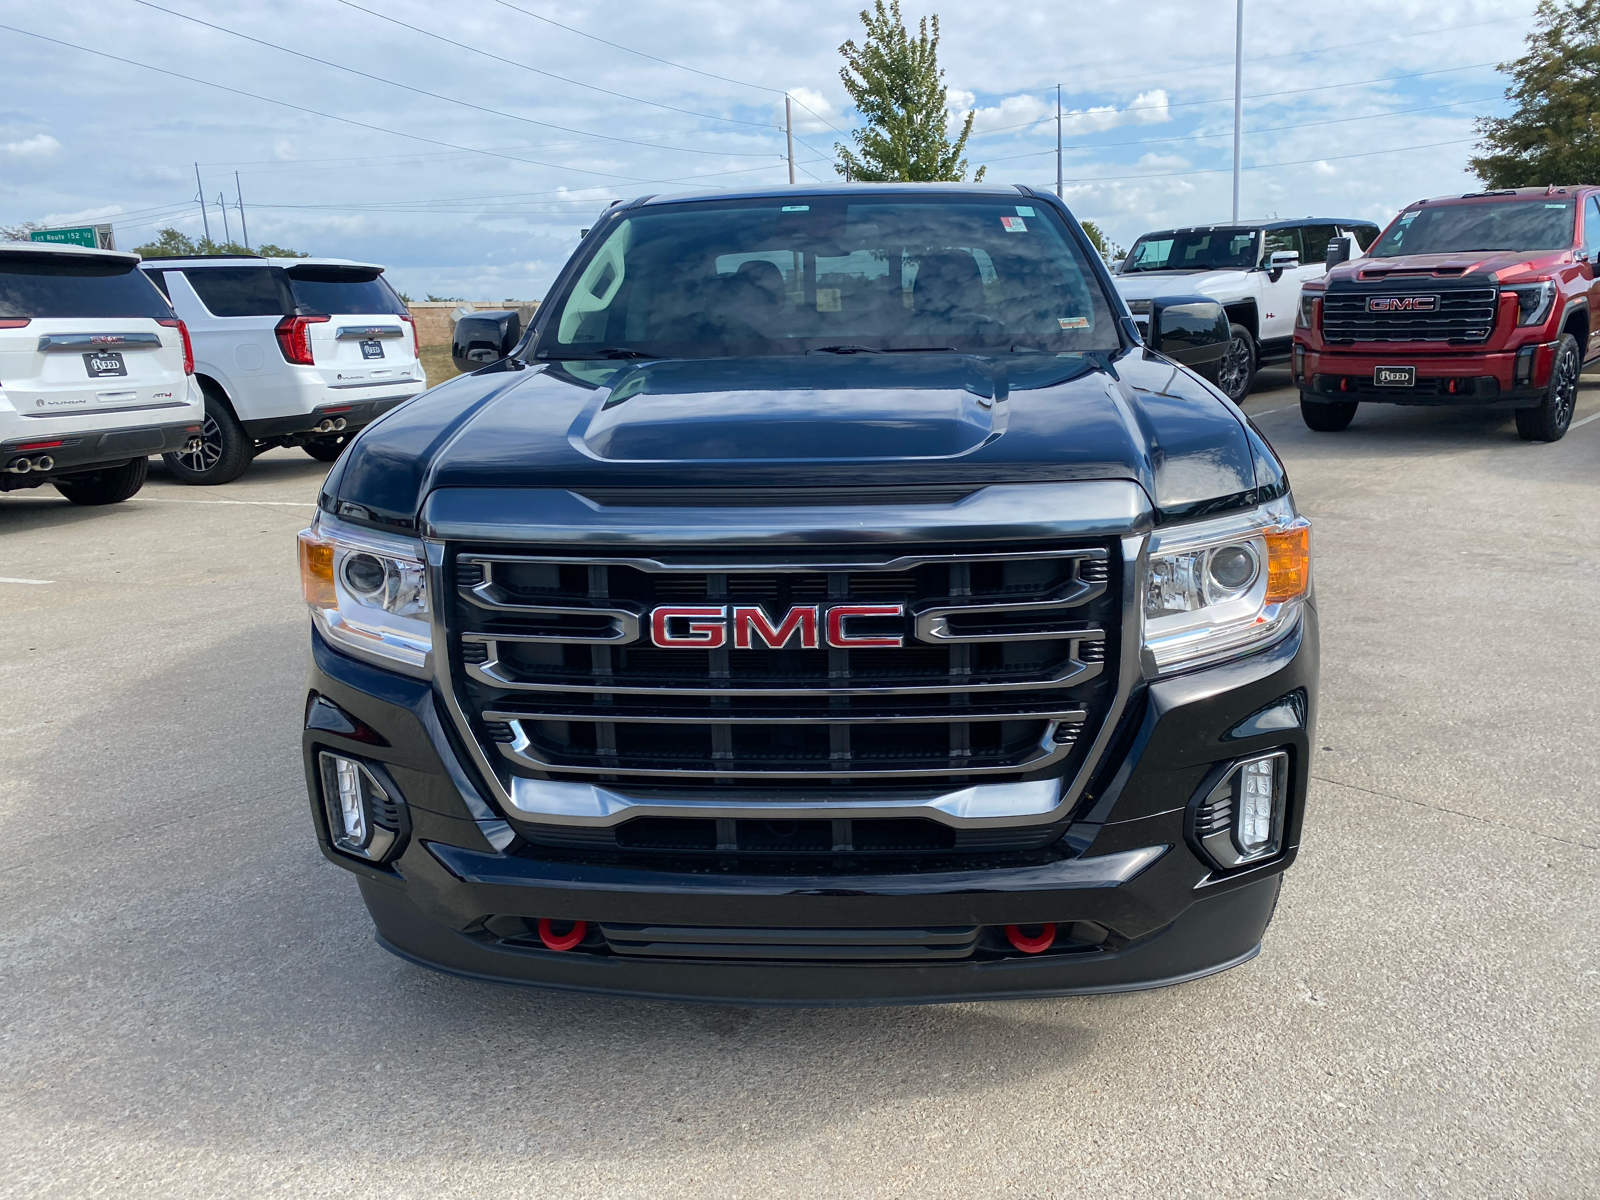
<point x="830" y="599"/>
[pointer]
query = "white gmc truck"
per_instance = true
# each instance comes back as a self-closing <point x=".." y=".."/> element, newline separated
<point x="96" y="373"/>
<point x="1255" y="270"/>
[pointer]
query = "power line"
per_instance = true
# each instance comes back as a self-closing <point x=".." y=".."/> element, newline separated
<point x="551" y="75"/>
<point x="436" y="95"/>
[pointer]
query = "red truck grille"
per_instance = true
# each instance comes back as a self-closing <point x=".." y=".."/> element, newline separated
<point x="1460" y="316"/>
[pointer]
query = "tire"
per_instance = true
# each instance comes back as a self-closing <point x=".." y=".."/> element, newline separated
<point x="1327" y="416"/>
<point x="1548" y="422"/>
<point x="326" y="449"/>
<point x="109" y="485"/>
<point x="225" y="453"/>
<point x="1235" y="371"/>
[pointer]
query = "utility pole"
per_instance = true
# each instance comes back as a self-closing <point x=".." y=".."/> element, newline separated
<point x="1238" y="97"/>
<point x="1059" y="195"/>
<point x="201" y="192"/>
<point x="242" y="227"/>
<point x="222" y="203"/>
<point x="788" y="131"/>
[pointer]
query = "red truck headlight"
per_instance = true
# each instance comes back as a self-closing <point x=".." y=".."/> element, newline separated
<point x="1534" y="301"/>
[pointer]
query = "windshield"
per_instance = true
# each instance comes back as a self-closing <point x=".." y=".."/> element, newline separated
<point x="33" y="285"/>
<point x="1490" y="225"/>
<point x="345" y="291"/>
<point x="795" y="274"/>
<point x="1195" y="250"/>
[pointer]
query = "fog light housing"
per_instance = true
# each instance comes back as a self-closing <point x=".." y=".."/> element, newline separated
<point x="1241" y="820"/>
<point x="1522" y="372"/>
<point x="366" y="818"/>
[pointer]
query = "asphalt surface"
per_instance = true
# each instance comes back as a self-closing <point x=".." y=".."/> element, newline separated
<point x="191" y="1002"/>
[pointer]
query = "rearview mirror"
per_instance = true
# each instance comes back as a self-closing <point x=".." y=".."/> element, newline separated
<point x="1281" y="261"/>
<point x="484" y="338"/>
<point x="1340" y="250"/>
<point x="1192" y="330"/>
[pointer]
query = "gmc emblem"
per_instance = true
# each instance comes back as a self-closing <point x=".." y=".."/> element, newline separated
<point x="1402" y="303"/>
<point x="705" y="626"/>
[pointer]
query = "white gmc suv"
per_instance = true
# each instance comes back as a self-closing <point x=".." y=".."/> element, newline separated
<point x="1255" y="270"/>
<point x="290" y="352"/>
<point x="96" y="373"/>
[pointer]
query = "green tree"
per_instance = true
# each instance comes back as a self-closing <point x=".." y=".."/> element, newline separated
<point x="1553" y="136"/>
<point x="170" y="243"/>
<point x="898" y="88"/>
<point x="1109" y="250"/>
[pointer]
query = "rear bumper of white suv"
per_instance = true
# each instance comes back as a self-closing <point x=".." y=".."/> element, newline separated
<point x="346" y="415"/>
<point x="35" y="458"/>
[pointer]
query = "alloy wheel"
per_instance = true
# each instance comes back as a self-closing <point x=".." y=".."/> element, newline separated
<point x="1564" y="388"/>
<point x="1234" y="370"/>
<point x="209" y="451"/>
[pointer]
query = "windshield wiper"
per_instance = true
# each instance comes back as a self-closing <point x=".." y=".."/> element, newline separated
<point x="843" y="350"/>
<point x="849" y="349"/>
<point x="604" y="352"/>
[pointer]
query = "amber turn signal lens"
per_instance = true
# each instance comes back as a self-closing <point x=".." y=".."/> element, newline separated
<point x="1288" y="562"/>
<point x="316" y="571"/>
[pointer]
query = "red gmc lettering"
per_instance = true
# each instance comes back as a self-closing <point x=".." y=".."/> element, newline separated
<point x="750" y="622"/>
<point x="707" y="627"/>
<point x="838" y="638"/>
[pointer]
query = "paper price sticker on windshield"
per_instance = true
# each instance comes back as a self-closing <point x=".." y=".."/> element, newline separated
<point x="1073" y="322"/>
<point x="1014" y="224"/>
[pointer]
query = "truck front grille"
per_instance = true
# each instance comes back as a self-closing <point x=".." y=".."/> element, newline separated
<point x="1003" y="671"/>
<point x="1460" y="316"/>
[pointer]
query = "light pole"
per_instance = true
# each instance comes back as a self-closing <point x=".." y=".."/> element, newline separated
<point x="1238" y="97"/>
<point x="788" y="132"/>
<point x="1059" y="195"/>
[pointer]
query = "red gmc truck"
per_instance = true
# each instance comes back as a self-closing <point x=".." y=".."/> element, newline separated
<point x="1484" y="299"/>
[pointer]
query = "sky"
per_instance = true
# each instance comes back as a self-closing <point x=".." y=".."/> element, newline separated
<point x="465" y="146"/>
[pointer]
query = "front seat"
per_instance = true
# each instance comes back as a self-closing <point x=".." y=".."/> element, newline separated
<point x="949" y="288"/>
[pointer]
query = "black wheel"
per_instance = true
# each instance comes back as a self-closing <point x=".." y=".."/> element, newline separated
<point x="326" y="449"/>
<point x="224" y="453"/>
<point x="1548" y="422"/>
<point x="1235" y="371"/>
<point x="1327" y="416"/>
<point x="109" y="485"/>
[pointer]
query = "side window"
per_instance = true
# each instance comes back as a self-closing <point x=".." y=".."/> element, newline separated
<point x="159" y="278"/>
<point x="1591" y="227"/>
<point x="239" y="291"/>
<point x="1315" y="239"/>
<point x="1282" y="239"/>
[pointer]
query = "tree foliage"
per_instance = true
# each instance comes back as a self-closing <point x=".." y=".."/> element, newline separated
<point x="19" y="233"/>
<point x="898" y="88"/>
<point x="170" y="243"/>
<point x="1109" y="250"/>
<point x="1554" y="134"/>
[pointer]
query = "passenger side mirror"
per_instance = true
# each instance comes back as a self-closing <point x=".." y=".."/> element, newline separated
<point x="484" y="338"/>
<point x="1281" y="261"/>
<point x="1340" y="250"/>
<point x="1192" y="330"/>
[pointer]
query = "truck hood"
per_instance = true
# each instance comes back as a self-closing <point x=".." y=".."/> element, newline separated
<point x="1502" y="264"/>
<point x="1179" y="283"/>
<point x="861" y="420"/>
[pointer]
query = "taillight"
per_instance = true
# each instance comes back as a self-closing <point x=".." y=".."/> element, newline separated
<point x="294" y="337"/>
<point x="416" y="342"/>
<point x="188" y="346"/>
<point x="14" y="323"/>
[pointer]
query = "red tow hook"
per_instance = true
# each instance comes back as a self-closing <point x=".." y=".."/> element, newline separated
<point x="1043" y="940"/>
<point x="566" y="941"/>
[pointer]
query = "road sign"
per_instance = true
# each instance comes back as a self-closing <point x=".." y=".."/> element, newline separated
<point x="95" y="237"/>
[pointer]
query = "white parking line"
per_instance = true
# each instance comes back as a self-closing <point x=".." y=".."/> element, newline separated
<point x="40" y="582"/>
<point x="250" y="503"/>
<point x="1267" y="412"/>
<point x="1585" y="421"/>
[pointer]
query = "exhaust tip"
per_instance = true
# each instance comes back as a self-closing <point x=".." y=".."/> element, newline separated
<point x="43" y="463"/>
<point x="20" y="466"/>
<point x="338" y="423"/>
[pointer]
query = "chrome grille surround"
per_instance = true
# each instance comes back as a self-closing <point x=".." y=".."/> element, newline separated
<point x="1465" y="316"/>
<point x="1067" y="708"/>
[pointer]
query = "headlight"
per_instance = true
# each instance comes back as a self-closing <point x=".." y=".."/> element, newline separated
<point x="1308" y="301"/>
<point x="1219" y="589"/>
<point x="368" y="593"/>
<point x="1534" y="301"/>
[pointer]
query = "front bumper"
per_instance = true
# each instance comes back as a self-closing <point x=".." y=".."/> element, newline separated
<point x="90" y="451"/>
<point x="1513" y="378"/>
<point x="1123" y="874"/>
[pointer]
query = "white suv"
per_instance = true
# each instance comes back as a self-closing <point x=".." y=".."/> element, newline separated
<point x="290" y="352"/>
<point x="1255" y="270"/>
<point x="96" y="373"/>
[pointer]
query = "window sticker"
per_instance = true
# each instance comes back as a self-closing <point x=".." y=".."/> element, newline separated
<point x="1555" y="205"/>
<point x="829" y="300"/>
<point x="1024" y="211"/>
<point x="797" y="208"/>
<point x="1014" y="224"/>
<point x="1073" y="322"/>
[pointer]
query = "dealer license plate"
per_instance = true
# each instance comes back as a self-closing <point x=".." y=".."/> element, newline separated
<point x="1394" y="377"/>
<point x="105" y="363"/>
<point x="372" y="348"/>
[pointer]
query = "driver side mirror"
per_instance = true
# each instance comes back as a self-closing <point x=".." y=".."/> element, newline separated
<point x="1281" y="261"/>
<point x="484" y="338"/>
<point x="1340" y="250"/>
<point x="1192" y="330"/>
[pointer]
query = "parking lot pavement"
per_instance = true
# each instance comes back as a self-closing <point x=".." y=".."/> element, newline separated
<point x="193" y="1004"/>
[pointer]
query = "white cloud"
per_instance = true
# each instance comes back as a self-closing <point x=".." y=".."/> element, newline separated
<point x="813" y="112"/>
<point x="1162" y="162"/>
<point x="1018" y="113"/>
<point x="41" y="145"/>
<point x="1010" y="113"/>
<point x="1325" y="168"/>
<point x="83" y="214"/>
